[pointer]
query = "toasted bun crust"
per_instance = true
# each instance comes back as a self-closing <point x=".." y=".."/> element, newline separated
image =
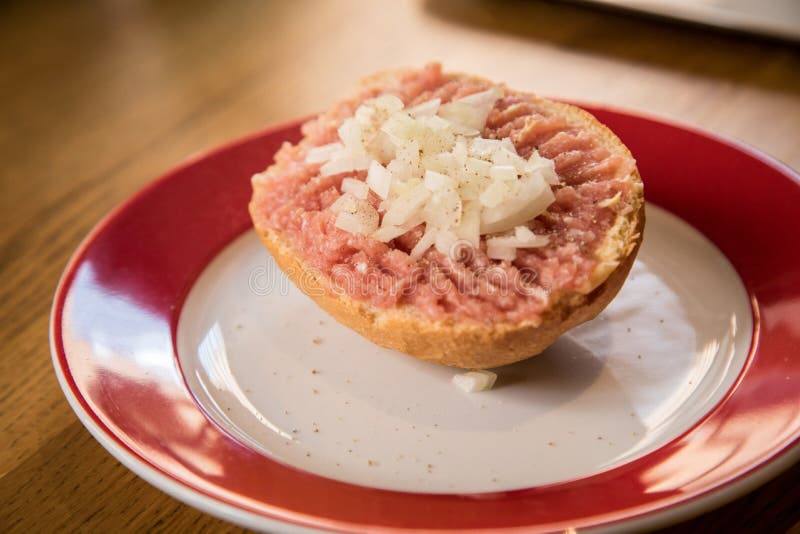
<point x="479" y="346"/>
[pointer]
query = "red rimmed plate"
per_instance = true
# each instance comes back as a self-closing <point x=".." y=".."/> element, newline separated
<point x="167" y="329"/>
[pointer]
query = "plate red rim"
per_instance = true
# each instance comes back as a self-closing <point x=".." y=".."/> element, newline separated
<point x="784" y="454"/>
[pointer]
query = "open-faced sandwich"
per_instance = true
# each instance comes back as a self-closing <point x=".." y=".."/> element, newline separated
<point x="452" y="218"/>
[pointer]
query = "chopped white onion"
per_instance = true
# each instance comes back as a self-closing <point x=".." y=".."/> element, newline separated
<point x="320" y="154"/>
<point x="474" y="381"/>
<point x="504" y="247"/>
<point x="500" y="252"/>
<point x="443" y="209"/>
<point x="522" y="238"/>
<point x="444" y="162"/>
<point x="470" y="227"/>
<point x="532" y="199"/>
<point x="436" y="181"/>
<point x="425" y="109"/>
<point x="379" y="179"/>
<point x="386" y="103"/>
<point x="435" y="122"/>
<point x="357" y="188"/>
<point x="382" y="149"/>
<point x="364" y="115"/>
<point x="406" y="164"/>
<point x="485" y="99"/>
<point x="355" y="215"/>
<point x="545" y="167"/>
<point x="507" y="144"/>
<point x="523" y="232"/>
<point x="343" y="164"/>
<point x="356" y="223"/>
<point x="478" y="166"/>
<point x="497" y="192"/>
<point x="445" y="241"/>
<point x="424" y="243"/>
<point x="503" y="172"/>
<point x="429" y="166"/>
<point x="483" y="148"/>
<point x="399" y="127"/>
<point x="406" y="205"/>
<point x="346" y="202"/>
<point x="505" y="157"/>
<point x="471" y="111"/>
<point x="460" y="152"/>
<point x="387" y="232"/>
<point x="352" y="136"/>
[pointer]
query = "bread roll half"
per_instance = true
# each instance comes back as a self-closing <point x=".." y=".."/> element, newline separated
<point x="448" y="335"/>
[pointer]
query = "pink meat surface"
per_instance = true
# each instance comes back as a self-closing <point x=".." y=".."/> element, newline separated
<point x="291" y="198"/>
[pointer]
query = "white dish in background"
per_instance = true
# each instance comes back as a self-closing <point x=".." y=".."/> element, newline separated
<point x="774" y="18"/>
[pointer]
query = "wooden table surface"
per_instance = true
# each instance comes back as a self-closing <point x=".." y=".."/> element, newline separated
<point x="99" y="97"/>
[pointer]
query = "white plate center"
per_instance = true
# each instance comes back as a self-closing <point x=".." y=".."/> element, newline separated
<point x="280" y="375"/>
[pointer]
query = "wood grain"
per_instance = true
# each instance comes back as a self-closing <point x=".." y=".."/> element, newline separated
<point x="97" y="98"/>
